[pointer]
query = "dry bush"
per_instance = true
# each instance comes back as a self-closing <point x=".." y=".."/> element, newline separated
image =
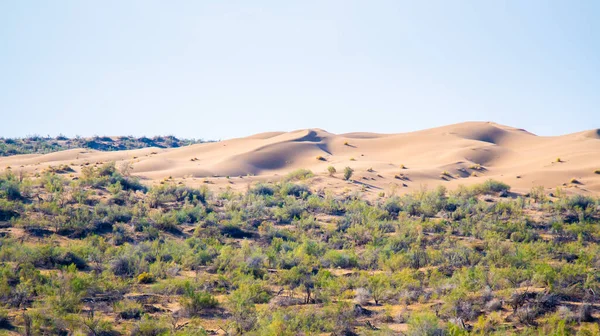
<point x="493" y="305"/>
<point x="362" y="296"/>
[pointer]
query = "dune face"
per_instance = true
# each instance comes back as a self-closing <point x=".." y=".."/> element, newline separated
<point x="465" y="153"/>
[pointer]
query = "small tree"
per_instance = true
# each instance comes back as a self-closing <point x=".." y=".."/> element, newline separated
<point x="378" y="285"/>
<point x="348" y="173"/>
<point x="331" y="170"/>
<point x="243" y="313"/>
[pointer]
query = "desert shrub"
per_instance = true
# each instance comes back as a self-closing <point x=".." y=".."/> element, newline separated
<point x="195" y="302"/>
<point x="149" y="326"/>
<point x="286" y="321"/>
<point x="175" y="286"/>
<point x="299" y="174"/>
<point x="340" y="259"/>
<point x="129" y="310"/>
<point x="10" y="187"/>
<point x="580" y="201"/>
<point x="424" y="324"/>
<point x="296" y="190"/>
<point x="328" y="205"/>
<point x="108" y="176"/>
<point x="348" y="173"/>
<point x="331" y="170"/>
<point x="362" y="296"/>
<point x="492" y="186"/>
<point x="9" y="210"/>
<point x="69" y="258"/>
<point x="255" y="291"/>
<point x="124" y="266"/>
<point x="289" y="212"/>
<point x="243" y="311"/>
<point x="10" y="190"/>
<point x="170" y="192"/>
<point x="306" y="223"/>
<point x="379" y="286"/>
<point x="392" y="206"/>
<point x="263" y="189"/>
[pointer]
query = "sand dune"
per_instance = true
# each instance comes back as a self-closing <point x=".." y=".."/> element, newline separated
<point x="457" y="154"/>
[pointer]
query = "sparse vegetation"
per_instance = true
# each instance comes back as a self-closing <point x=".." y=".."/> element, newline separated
<point x="42" y="145"/>
<point x="105" y="255"/>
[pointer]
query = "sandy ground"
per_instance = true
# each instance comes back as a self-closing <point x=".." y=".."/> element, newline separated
<point x="465" y="153"/>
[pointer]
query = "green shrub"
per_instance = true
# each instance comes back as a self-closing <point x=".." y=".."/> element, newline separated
<point x="340" y="259"/>
<point x="580" y="201"/>
<point x="423" y="324"/>
<point x="195" y="302"/>
<point x="129" y="310"/>
<point x="392" y="206"/>
<point x="492" y="186"/>
<point x="10" y="187"/>
<point x="299" y="174"/>
<point x="289" y="212"/>
<point x="149" y="326"/>
<point x="263" y="189"/>
<point x="296" y="190"/>
<point x="331" y="170"/>
<point x="348" y="173"/>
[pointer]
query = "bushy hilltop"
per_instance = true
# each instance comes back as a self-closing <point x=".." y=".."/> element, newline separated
<point x="44" y="145"/>
<point x="102" y="254"/>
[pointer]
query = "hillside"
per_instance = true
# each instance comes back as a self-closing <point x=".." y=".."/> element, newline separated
<point x="44" y="145"/>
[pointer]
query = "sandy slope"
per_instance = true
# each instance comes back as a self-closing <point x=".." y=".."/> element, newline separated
<point x="512" y="155"/>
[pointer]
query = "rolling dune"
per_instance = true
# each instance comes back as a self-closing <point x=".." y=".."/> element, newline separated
<point x="465" y="153"/>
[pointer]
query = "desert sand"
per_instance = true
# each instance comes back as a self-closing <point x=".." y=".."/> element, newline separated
<point x="459" y="154"/>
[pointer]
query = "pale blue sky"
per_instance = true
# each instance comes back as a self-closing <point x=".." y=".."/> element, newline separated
<point x="221" y="69"/>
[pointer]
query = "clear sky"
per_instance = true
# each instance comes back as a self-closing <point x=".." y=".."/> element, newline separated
<point x="222" y="69"/>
